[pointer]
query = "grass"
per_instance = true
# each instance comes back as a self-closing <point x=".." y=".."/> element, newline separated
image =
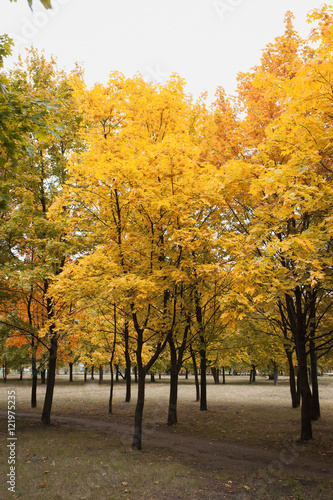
<point x="69" y="463"/>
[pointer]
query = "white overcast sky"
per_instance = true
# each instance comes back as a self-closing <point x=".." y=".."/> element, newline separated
<point x="207" y="42"/>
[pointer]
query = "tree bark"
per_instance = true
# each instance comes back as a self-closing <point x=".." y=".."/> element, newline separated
<point x="292" y="382"/>
<point x="216" y="374"/>
<point x="111" y="388"/>
<point x="137" y="436"/>
<point x="70" y="371"/>
<point x="43" y="376"/>
<point x="100" y="378"/>
<point x="315" y="412"/>
<point x="276" y="374"/>
<point x="223" y="375"/>
<point x="92" y="373"/>
<point x="203" y="379"/>
<point x="173" y="396"/>
<point x="196" y="377"/>
<point x="297" y="322"/>
<point x="128" y="364"/>
<point x="46" y="415"/>
<point x="315" y="407"/>
<point x="34" y="381"/>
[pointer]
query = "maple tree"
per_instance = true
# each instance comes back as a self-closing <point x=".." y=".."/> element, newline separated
<point x="33" y="177"/>
<point x="143" y="210"/>
<point x="286" y="247"/>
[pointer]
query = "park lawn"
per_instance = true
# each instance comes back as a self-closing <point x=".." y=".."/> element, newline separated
<point x="57" y="462"/>
<point x="258" y="414"/>
<point x="61" y="462"/>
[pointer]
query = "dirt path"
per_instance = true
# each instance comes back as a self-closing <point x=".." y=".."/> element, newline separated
<point x="208" y="455"/>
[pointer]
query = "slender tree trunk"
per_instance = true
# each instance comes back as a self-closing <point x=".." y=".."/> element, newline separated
<point x="85" y="374"/>
<point x="70" y="371"/>
<point x="216" y="375"/>
<point x="173" y="396"/>
<point x="254" y="370"/>
<point x="117" y="372"/>
<point x="223" y="375"/>
<point x="43" y="376"/>
<point x="292" y="382"/>
<point x="298" y="326"/>
<point x="137" y="436"/>
<point x="136" y="374"/>
<point x="92" y="373"/>
<point x="298" y="388"/>
<point x="100" y="378"/>
<point x="34" y="382"/>
<point x="111" y="388"/>
<point x="46" y="415"/>
<point x="21" y="374"/>
<point x="203" y="380"/>
<point x="251" y="376"/>
<point x="196" y="377"/>
<point x="315" y="412"/>
<point x="128" y="364"/>
<point x="276" y="374"/>
<point x="186" y="374"/>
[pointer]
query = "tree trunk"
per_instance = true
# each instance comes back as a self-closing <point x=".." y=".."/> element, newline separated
<point x="128" y="364"/>
<point x="223" y="375"/>
<point x="136" y="374"/>
<point x="34" y="382"/>
<point x="254" y="370"/>
<point x="216" y="375"/>
<point x="85" y="374"/>
<point x="276" y="374"/>
<point x="298" y="388"/>
<point x="298" y="328"/>
<point x="70" y="372"/>
<point x="117" y="372"/>
<point x="43" y="376"/>
<point x="137" y="436"/>
<point x="292" y="382"/>
<point x="315" y="411"/>
<point x="203" y="380"/>
<point x="196" y="377"/>
<point x="92" y="373"/>
<point x="46" y="415"/>
<point x="111" y="388"/>
<point x="100" y="378"/>
<point x="173" y="396"/>
<point x="21" y="374"/>
<point x="186" y="374"/>
<point x="152" y="377"/>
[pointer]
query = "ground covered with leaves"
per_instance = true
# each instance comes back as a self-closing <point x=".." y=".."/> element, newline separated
<point x="244" y="447"/>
